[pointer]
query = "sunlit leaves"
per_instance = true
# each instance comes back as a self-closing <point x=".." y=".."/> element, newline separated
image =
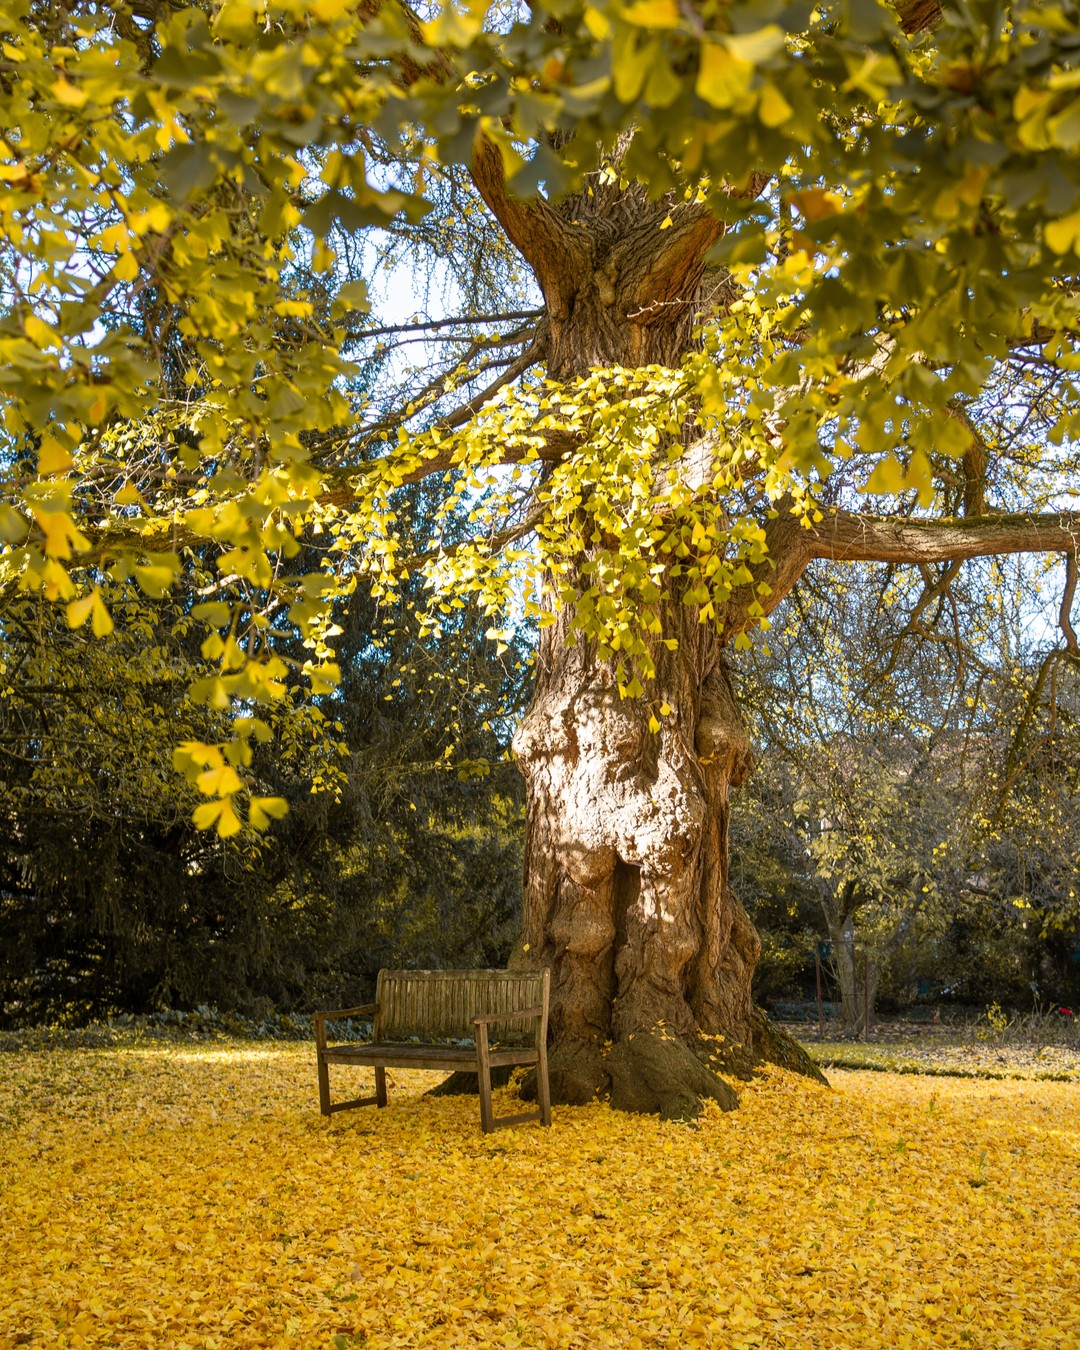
<point x="218" y="772"/>
<point x="173" y="371"/>
<point x="77" y="367"/>
<point x="90" y="607"/>
<point x="626" y="513"/>
<point x="262" y="810"/>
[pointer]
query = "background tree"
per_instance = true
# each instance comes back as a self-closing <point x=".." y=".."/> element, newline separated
<point x="887" y="727"/>
<point x="402" y="842"/>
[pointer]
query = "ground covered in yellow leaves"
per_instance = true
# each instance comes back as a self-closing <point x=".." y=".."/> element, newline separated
<point x="170" y="1198"/>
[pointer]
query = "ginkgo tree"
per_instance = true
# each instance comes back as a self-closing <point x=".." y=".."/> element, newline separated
<point x="787" y="257"/>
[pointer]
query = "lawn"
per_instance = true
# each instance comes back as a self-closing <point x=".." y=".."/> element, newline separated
<point x="964" y="1053"/>
<point x="169" y="1197"/>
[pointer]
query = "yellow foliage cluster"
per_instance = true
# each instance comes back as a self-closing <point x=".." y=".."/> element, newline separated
<point x="175" y="1199"/>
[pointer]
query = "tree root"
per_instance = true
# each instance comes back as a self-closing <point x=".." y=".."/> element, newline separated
<point x="654" y="1072"/>
<point x="775" y="1046"/>
<point x="577" y="1074"/>
<point x="766" y="1044"/>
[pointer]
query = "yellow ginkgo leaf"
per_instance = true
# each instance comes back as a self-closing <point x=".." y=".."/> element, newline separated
<point x="262" y="809"/>
<point x="773" y="108"/>
<point x="53" y="457"/>
<point x="653" y="14"/>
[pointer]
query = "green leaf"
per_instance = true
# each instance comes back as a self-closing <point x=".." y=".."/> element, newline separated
<point x="214" y="612"/>
<point x="13" y="527"/>
<point x="187" y="170"/>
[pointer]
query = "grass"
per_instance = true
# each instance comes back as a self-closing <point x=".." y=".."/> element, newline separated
<point x="1025" y="1048"/>
<point x="191" y="1197"/>
<point x="939" y="1062"/>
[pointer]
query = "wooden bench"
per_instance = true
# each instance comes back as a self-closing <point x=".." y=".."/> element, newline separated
<point x="422" y="1018"/>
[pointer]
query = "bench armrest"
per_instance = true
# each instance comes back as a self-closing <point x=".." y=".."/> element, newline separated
<point x="338" y="1015"/>
<point x="507" y="1016"/>
<point x="367" y="1009"/>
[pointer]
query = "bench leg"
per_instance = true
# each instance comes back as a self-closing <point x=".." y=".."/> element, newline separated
<point x="543" y="1087"/>
<point x="380" y="1085"/>
<point x="483" y="1069"/>
<point x="324" y="1086"/>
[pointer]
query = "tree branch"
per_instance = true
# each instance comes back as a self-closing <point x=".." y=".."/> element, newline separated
<point x="916" y="16"/>
<point x="532" y="354"/>
<point x="1065" y="613"/>
<point x="550" y="245"/>
<point x="848" y="536"/>
<point x="465" y="320"/>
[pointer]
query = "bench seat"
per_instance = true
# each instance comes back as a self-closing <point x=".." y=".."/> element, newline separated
<point x="411" y="1056"/>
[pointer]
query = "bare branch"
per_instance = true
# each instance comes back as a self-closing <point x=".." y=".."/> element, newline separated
<point x="461" y="321"/>
<point x="460" y="416"/>
<point x="436" y="388"/>
<point x="850" y="537"/>
<point x="1065" y="613"/>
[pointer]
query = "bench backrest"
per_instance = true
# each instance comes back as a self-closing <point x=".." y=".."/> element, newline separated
<point x="439" y="1005"/>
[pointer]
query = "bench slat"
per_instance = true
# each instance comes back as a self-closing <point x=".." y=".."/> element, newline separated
<point x="427" y="1056"/>
<point x="440" y="1005"/>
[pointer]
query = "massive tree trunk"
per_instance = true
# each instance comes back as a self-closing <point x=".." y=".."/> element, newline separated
<point x="626" y="891"/>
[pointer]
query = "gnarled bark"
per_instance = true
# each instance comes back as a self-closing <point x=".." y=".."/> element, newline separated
<point x="627" y="898"/>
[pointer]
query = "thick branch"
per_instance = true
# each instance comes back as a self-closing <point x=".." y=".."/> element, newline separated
<point x="552" y="247"/>
<point x="542" y="238"/>
<point x="848" y="536"/>
<point x="917" y="15"/>
<point x="787" y="559"/>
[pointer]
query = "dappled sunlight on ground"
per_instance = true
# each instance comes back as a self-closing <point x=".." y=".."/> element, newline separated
<point x="173" y="1198"/>
<point x="215" y="1054"/>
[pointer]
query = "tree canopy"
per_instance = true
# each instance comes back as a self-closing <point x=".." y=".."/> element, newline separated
<point x="886" y="369"/>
